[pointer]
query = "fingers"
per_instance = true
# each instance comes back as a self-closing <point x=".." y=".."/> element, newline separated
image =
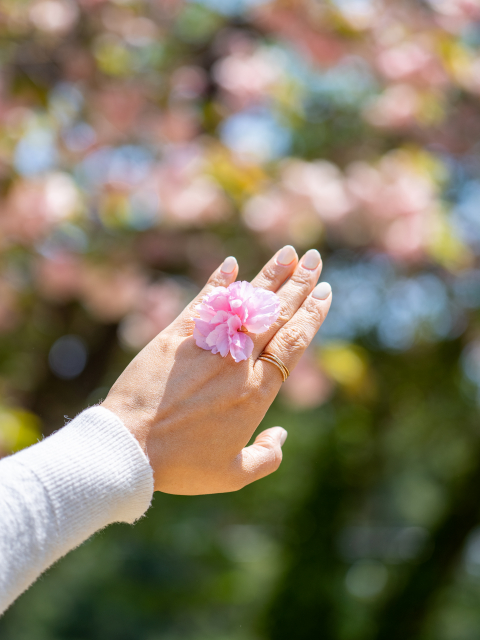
<point x="293" y="338"/>
<point x="277" y="270"/>
<point x="271" y="277"/>
<point x="261" y="458"/>
<point x="282" y="267"/>
<point x="292" y="295"/>
<point x="222" y="277"/>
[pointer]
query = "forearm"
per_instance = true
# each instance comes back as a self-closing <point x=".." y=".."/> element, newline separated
<point x="56" y="494"/>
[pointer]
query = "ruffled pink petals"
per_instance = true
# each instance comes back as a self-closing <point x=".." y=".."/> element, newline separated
<point x="241" y="347"/>
<point x="200" y="333"/>
<point x="263" y="308"/>
<point x="228" y="312"/>
<point x="218" y="339"/>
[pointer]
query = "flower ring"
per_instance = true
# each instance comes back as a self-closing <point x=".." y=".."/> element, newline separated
<point x="228" y="313"/>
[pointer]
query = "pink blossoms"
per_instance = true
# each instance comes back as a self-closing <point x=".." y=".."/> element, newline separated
<point x="227" y="313"/>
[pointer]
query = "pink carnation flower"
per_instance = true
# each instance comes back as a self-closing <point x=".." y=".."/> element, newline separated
<point x="227" y="313"/>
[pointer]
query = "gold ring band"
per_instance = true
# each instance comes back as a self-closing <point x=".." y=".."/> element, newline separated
<point x="269" y="357"/>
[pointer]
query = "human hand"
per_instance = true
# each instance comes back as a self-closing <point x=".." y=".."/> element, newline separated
<point x="193" y="412"/>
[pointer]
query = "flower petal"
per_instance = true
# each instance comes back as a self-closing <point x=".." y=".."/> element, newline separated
<point x="234" y="324"/>
<point x="205" y="311"/>
<point x="263" y="309"/>
<point x="220" y="317"/>
<point x="223" y="312"/>
<point x="241" y="347"/>
<point x="219" y="340"/>
<point x="201" y="331"/>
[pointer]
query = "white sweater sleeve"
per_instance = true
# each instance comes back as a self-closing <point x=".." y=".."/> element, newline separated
<point x="57" y="493"/>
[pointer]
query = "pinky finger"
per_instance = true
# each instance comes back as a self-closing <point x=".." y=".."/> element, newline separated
<point x="293" y="338"/>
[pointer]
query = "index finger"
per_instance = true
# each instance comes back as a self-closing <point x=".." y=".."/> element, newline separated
<point x="222" y="277"/>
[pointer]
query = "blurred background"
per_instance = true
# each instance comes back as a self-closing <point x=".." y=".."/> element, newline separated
<point x="141" y="142"/>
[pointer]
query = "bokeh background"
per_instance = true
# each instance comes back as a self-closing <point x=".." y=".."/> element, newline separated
<point x="141" y="142"/>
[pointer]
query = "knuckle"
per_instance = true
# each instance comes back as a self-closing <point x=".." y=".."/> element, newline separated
<point x="184" y="325"/>
<point x="269" y="273"/>
<point x="294" y="337"/>
<point x="267" y="277"/>
<point x="314" y="309"/>
<point x="285" y="312"/>
<point x="244" y="396"/>
<point x="214" y="281"/>
<point x="268" y="441"/>
<point x="302" y="280"/>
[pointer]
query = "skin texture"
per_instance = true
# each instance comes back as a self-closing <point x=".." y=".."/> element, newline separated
<point x="193" y="412"/>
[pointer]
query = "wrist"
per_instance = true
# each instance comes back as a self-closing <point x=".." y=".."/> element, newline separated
<point x="130" y="420"/>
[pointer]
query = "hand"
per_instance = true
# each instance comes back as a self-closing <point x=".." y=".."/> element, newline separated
<point x="193" y="413"/>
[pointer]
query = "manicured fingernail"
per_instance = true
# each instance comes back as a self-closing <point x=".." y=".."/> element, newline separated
<point x="287" y="255"/>
<point x="311" y="259"/>
<point x="283" y="437"/>
<point x="322" y="291"/>
<point x="229" y="264"/>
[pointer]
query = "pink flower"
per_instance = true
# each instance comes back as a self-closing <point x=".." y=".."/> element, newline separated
<point x="227" y="313"/>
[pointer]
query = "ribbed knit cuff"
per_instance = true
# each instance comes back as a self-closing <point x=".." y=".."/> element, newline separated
<point x="94" y="473"/>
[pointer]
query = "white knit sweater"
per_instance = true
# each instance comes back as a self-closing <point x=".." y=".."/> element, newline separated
<point x="57" y="493"/>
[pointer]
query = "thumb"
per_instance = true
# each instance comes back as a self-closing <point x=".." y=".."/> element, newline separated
<point x="261" y="458"/>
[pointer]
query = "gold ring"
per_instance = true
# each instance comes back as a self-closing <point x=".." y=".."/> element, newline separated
<point x="269" y="357"/>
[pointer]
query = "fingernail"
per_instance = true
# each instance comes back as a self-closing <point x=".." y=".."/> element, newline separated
<point x="229" y="264"/>
<point x="322" y="291"/>
<point x="283" y="437"/>
<point x="311" y="259"/>
<point x="287" y="255"/>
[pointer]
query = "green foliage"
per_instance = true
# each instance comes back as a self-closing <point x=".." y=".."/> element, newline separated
<point x="141" y="143"/>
